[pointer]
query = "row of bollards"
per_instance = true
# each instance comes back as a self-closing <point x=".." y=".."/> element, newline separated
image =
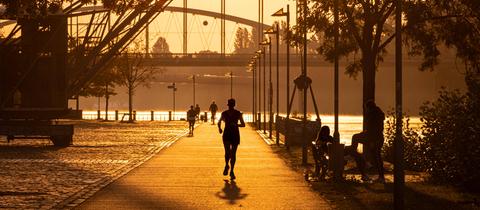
<point x="152" y="116"/>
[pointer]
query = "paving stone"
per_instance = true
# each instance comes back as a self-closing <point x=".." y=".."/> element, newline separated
<point x="100" y="152"/>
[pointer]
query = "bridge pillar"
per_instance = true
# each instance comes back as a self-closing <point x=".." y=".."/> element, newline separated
<point x="185" y="26"/>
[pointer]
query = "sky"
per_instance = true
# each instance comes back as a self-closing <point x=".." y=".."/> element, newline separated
<point x="207" y="37"/>
<point x="241" y="8"/>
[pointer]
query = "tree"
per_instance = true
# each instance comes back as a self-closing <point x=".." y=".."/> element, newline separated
<point x="364" y="26"/>
<point x="161" y="47"/>
<point x="39" y="8"/>
<point x="243" y="41"/>
<point x="103" y="85"/>
<point x="132" y="74"/>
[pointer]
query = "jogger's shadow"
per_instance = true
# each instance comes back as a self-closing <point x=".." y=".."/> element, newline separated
<point x="231" y="192"/>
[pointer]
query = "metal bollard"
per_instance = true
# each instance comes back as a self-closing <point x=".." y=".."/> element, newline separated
<point x="259" y="121"/>
<point x="169" y="115"/>
<point x="337" y="160"/>
<point x="134" y="115"/>
<point x="98" y="114"/>
<point x="206" y="118"/>
<point x="152" y="115"/>
<point x="116" y="115"/>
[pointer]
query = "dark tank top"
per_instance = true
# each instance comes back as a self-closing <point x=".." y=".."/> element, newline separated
<point x="231" y="132"/>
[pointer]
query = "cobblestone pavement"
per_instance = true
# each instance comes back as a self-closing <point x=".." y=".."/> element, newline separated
<point x="36" y="175"/>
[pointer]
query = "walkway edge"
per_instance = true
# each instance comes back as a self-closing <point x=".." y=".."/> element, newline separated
<point x="87" y="192"/>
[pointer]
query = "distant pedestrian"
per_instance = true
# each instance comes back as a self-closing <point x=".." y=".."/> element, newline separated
<point x="191" y="120"/>
<point x="197" y="111"/>
<point x="231" y="136"/>
<point x="213" y="110"/>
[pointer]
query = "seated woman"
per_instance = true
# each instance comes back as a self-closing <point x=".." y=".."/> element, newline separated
<point x="320" y="151"/>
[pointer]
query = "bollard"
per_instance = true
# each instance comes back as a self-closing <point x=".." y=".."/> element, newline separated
<point x="169" y="115"/>
<point x="277" y="134"/>
<point x="134" y="115"/>
<point x="152" y="115"/>
<point x="116" y="115"/>
<point x="206" y="118"/>
<point x="259" y="120"/>
<point x="98" y="114"/>
<point x="337" y="160"/>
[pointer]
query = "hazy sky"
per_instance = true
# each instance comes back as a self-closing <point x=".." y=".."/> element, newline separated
<point x="241" y="8"/>
<point x="207" y="37"/>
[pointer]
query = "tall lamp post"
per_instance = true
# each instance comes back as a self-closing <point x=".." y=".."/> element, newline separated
<point x="231" y="83"/>
<point x="276" y="32"/>
<point x="259" y="53"/>
<point x="270" y="86"/>
<point x="174" y="89"/>
<point x="281" y="13"/>
<point x="252" y="67"/>
<point x="398" y="173"/>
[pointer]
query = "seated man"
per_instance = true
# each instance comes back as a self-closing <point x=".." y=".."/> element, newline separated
<point x="359" y="158"/>
<point x="372" y="140"/>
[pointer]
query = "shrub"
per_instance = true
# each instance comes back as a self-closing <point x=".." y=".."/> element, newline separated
<point x="450" y="130"/>
<point x="414" y="148"/>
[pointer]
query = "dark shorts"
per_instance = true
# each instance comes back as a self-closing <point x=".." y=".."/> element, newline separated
<point x="231" y="138"/>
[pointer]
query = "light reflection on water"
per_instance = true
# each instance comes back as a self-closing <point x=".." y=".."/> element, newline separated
<point x="348" y="124"/>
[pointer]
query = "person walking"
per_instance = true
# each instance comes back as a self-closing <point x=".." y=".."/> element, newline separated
<point x="197" y="112"/>
<point x="231" y="135"/>
<point x="191" y="120"/>
<point x="213" y="110"/>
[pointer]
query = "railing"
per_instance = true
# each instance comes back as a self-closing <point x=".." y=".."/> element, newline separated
<point x="149" y="116"/>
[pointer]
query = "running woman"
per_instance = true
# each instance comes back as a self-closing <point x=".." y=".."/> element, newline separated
<point x="231" y="136"/>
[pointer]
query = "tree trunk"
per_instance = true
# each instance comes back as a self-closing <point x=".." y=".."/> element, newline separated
<point x="368" y="73"/>
<point x="107" y="96"/>
<point x="130" y="108"/>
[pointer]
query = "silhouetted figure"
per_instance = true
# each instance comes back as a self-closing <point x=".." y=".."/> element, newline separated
<point x="213" y="110"/>
<point x="320" y="151"/>
<point x="191" y="120"/>
<point x="372" y="138"/>
<point x="197" y="112"/>
<point x="231" y="135"/>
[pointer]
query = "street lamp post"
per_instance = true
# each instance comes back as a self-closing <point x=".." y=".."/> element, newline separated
<point x="193" y="77"/>
<point x="398" y="173"/>
<point x="276" y="33"/>
<point x="280" y="13"/>
<point x="264" y="94"/>
<point x="174" y="89"/>
<point x="304" y="74"/>
<point x="260" y="52"/>
<point x="231" y="84"/>
<point x="270" y="86"/>
<point x="253" y="63"/>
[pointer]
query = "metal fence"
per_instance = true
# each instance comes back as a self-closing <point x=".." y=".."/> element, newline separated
<point x="150" y="116"/>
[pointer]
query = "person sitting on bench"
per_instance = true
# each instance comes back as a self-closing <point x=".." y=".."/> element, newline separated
<point x="320" y="151"/>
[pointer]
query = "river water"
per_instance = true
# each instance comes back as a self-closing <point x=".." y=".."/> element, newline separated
<point x="348" y="124"/>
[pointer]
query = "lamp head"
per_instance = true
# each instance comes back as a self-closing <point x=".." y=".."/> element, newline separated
<point x="280" y="12"/>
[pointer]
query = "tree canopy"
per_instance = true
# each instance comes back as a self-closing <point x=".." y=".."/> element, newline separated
<point x="161" y="47"/>
<point x="35" y="8"/>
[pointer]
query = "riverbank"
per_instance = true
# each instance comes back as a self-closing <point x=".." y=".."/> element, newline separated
<point x="353" y="194"/>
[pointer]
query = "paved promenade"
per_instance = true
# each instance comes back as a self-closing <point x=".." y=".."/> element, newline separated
<point x="188" y="175"/>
